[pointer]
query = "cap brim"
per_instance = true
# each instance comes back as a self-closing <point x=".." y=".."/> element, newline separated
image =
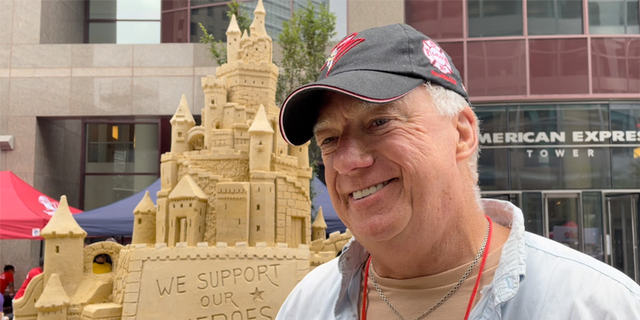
<point x="299" y="112"/>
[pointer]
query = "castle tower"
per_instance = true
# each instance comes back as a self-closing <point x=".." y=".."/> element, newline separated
<point x="144" y="222"/>
<point x="304" y="171"/>
<point x="53" y="302"/>
<point x="319" y="227"/>
<point x="233" y="40"/>
<point x="260" y="143"/>
<point x="181" y="122"/>
<point x="258" y="25"/>
<point x="64" y="248"/>
<point x="187" y="208"/>
<point x="215" y="97"/>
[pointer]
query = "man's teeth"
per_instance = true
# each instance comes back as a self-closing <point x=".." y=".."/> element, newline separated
<point x="368" y="191"/>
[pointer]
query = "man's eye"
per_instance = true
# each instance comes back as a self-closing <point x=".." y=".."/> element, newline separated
<point x="327" y="141"/>
<point x="379" y="122"/>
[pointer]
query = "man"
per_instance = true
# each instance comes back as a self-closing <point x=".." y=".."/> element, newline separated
<point x="400" y="146"/>
<point x="32" y="273"/>
<point x="6" y="280"/>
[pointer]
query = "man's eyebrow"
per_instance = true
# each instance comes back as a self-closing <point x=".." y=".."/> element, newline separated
<point x="356" y="107"/>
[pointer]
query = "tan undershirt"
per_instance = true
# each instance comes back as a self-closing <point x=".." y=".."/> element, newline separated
<point x="412" y="297"/>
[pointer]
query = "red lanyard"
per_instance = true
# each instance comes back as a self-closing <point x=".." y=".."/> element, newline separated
<point x="473" y="293"/>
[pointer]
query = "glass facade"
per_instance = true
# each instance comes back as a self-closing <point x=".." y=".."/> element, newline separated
<point x="123" y="21"/>
<point x="181" y="19"/>
<point x="120" y="160"/>
<point x="556" y="147"/>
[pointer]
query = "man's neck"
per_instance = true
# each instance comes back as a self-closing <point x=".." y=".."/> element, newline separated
<point x="421" y="254"/>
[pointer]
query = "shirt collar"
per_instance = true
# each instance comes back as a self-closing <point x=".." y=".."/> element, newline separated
<point x="506" y="281"/>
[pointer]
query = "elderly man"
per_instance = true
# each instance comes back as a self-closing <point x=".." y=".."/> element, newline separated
<point x="400" y="146"/>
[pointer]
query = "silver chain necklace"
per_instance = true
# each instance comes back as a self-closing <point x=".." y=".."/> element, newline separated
<point x="448" y="295"/>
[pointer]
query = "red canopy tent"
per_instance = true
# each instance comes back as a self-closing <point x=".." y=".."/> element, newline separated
<point x="24" y="211"/>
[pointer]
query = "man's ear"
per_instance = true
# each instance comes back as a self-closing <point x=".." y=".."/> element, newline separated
<point x="467" y="134"/>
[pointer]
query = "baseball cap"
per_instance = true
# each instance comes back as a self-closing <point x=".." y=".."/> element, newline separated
<point x="377" y="65"/>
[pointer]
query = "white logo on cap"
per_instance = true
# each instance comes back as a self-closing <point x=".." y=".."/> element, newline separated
<point x="436" y="56"/>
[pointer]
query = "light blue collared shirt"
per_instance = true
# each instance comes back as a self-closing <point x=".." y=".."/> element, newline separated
<point x="536" y="278"/>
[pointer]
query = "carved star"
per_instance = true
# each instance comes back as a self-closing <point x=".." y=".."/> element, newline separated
<point x="257" y="294"/>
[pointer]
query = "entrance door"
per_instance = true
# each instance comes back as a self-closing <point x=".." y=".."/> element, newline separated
<point x="562" y="219"/>
<point x="622" y="215"/>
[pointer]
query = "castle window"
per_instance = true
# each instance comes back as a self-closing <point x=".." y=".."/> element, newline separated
<point x="57" y="249"/>
<point x="189" y="205"/>
<point x="179" y="134"/>
<point x="257" y="228"/>
<point x="258" y="207"/>
<point x="260" y="143"/>
<point x="239" y="223"/>
<point x="213" y="101"/>
<point x="258" y="189"/>
<point x="174" y="205"/>
<point x="139" y="221"/>
<point x="181" y="205"/>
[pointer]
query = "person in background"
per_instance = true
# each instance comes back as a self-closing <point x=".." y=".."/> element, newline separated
<point x="32" y="273"/>
<point x="101" y="265"/>
<point x="6" y="282"/>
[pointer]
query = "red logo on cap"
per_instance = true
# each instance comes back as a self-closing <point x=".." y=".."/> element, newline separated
<point x="339" y="50"/>
<point x="436" y="56"/>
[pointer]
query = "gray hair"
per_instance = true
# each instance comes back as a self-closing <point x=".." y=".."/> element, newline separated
<point x="449" y="104"/>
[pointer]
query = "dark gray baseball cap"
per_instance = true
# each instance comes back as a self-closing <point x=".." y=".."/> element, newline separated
<point x="377" y="65"/>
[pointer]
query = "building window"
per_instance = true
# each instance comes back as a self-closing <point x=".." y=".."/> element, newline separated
<point x="613" y="17"/>
<point x="554" y="17"/>
<point x="494" y="18"/>
<point x="121" y="159"/>
<point x="438" y="19"/>
<point x="123" y="21"/>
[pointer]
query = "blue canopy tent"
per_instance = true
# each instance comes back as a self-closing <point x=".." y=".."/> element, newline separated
<point x="323" y="200"/>
<point x="116" y="219"/>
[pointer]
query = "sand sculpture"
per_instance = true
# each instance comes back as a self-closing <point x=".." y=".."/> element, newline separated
<point x="231" y="233"/>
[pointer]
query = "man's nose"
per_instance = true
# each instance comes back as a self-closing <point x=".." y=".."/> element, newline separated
<point x="351" y="155"/>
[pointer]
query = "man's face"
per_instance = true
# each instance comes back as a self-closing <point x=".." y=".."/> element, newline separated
<point x="388" y="167"/>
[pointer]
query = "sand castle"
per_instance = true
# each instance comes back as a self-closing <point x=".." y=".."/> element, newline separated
<point x="231" y="233"/>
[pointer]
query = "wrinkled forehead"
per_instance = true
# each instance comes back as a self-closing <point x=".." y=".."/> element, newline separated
<point x="333" y="104"/>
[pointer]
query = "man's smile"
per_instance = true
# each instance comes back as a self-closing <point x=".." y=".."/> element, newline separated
<point x="369" y="190"/>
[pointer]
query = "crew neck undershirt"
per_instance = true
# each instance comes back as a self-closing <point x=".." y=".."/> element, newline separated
<point x="412" y="297"/>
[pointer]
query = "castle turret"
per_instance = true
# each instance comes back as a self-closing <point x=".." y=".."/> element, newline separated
<point x="258" y="25"/>
<point x="187" y="205"/>
<point x="319" y="227"/>
<point x="144" y="225"/>
<point x="260" y="143"/>
<point x="181" y="122"/>
<point x="64" y="248"/>
<point x="53" y="302"/>
<point x="215" y="97"/>
<point x="233" y="40"/>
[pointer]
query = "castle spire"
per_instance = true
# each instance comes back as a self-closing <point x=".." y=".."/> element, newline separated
<point x="258" y="25"/>
<point x="183" y="113"/>
<point x="261" y="123"/>
<point x="233" y="26"/>
<point x="53" y="296"/>
<point x="62" y="224"/>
